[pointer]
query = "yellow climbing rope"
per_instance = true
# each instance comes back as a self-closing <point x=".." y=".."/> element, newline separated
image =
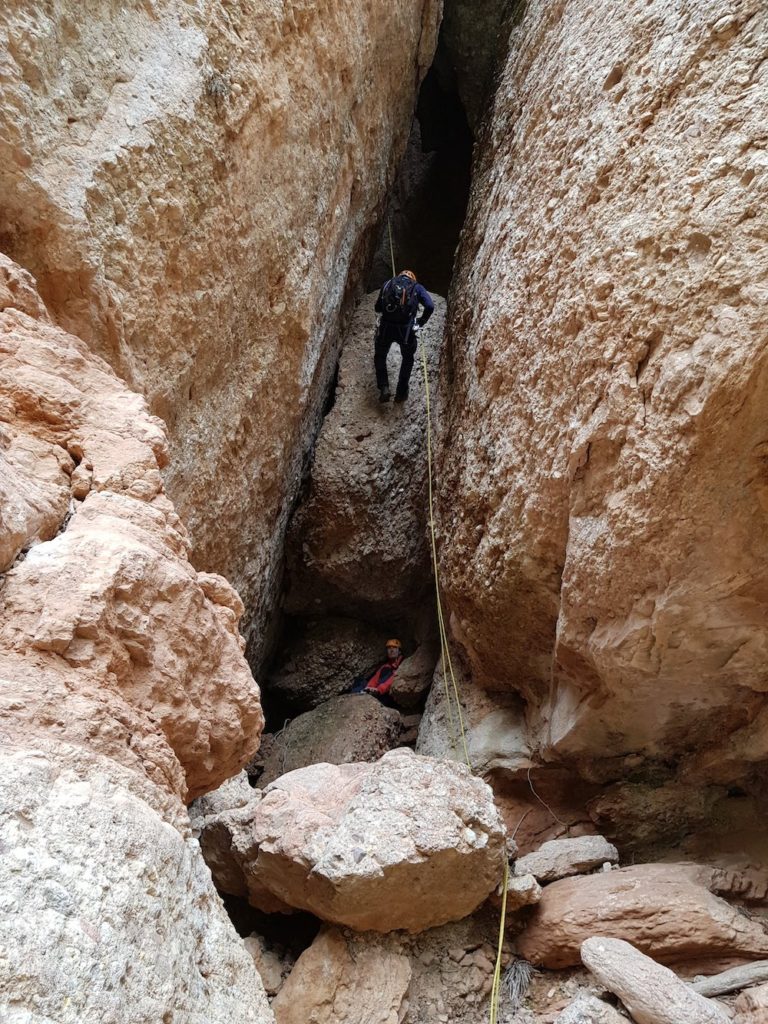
<point x="446" y="657"/>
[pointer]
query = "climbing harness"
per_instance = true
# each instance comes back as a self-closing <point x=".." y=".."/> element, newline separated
<point x="446" y="660"/>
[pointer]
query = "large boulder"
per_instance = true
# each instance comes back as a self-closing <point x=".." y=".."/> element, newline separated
<point x="355" y="727"/>
<point x="358" y="542"/>
<point x="404" y="843"/>
<point x="123" y="692"/>
<point x="651" y="993"/>
<point x="666" y="910"/>
<point x="602" y="501"/>
<point x="590" y="1010"/>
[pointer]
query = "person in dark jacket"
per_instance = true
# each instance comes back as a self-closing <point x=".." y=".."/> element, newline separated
<point x="377" y="682"/>
<point x="398" y="302"/>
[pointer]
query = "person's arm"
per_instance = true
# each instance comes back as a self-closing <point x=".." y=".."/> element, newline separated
<point x="426" y="301"/>
<point x="379" y="308"/>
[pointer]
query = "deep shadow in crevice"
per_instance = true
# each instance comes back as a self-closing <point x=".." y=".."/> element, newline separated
<point x="429" y="199"/>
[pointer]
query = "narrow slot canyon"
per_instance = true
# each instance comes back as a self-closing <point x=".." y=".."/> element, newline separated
<point x="215" y="530"/>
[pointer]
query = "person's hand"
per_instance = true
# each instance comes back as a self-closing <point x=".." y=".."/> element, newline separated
<point x="416" y="329"/>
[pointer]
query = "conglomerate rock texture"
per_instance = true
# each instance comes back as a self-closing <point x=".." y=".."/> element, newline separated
<point x="124" y="692"/>
<point x="191" y="184"/>
<point x="604" y="497"/>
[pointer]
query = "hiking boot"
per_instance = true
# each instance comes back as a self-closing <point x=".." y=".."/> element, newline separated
<point x="384" y="395"/>
<point x="400" y="396"/>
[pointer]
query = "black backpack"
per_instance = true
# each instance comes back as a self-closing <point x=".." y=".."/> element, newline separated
<point x="399" y="301"/>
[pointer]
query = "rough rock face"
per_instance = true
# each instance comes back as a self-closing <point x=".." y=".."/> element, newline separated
<point x="124" y="691"/>
<point x="358" y="542"/>
<point x="664" y="909"/>
<point x="321" y="657"/>
<point x="345" y="977"/>
<point x="589" y="1010"/>
<point x="192" y="185"/>
<point x="603" y="487"/>
<point x="404" y="843"/>
<point x="752" y="1006"/>
<point x="651" y="993"/>
<point x="331" y="986"/>
<point x="354" y="727"/>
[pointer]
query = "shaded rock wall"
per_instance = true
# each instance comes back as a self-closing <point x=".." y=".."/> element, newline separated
<point x="124" y="692"/>
<point x="191" y="185"/>
<point x="603" y="490"/>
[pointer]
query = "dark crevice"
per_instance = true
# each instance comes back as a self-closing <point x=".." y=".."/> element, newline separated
<point x="429" y="199"/>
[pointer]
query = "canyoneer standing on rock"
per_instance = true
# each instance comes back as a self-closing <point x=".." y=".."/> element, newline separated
<point x="398" y="303"/>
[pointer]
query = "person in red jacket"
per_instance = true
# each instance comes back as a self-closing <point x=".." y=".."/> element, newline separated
<point x="378" y="681"/>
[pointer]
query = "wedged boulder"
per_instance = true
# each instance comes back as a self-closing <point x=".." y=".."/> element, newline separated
<point x="663" y="909"/>
<point x="320" y="659"/>
<point x="357" y="544"/>
<point x="404" y="843"/>
<point x="414" y="676"/>
<point x="331" y="984"/>
<point x="560" y="858"/>
<point x="522" y="891"/>
<point x="345" y="977"/>
<point x="353" y="727"/>
<point x="590" y="1010"/>
<point x="651" y="993"/>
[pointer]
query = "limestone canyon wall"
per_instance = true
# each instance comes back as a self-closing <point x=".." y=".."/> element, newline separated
<point x="191" y="184"/>
<point x="123" y="693"/>
<point x="604" y="491"/>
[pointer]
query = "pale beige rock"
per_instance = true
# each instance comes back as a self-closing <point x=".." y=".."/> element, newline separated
<point x="192" y="185"/>
<point x="404" y="843"/>
<point x="603" y="495"/>
<point x="354" y="727"/>
<point x="414" y="676"/>
<point x="358" y="544"/>
<point x="651" y="993"/>
<point x="590" y="1010"/>
<point x="123" y="690"/>
<point x="560" y="858"/>
<point x="522" y="891"/>
<point x="752" y="1006"/>
<point x="494" y="725"/>
<point x="663" y="909"/>
<point x="330" y="986"/>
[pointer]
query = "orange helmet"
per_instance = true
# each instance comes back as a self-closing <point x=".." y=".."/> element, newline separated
<point x="407" y="273"/>
<point x="393" y="643"/>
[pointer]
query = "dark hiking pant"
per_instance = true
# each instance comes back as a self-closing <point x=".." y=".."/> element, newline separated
<point x="386" y="336"/>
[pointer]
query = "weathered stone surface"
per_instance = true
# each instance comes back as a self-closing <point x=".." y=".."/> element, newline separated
<point x="560" y="858"/>
<point x="320" y="658"/>
<point x="329" y="986"/>
<point x="97" y="859"/>
<point x="192" y="185"/>
<point x="405" y="842"/>
<point x="414" y="676"/>
<point x="752" y="1006"/>
<point x="607" y="376"/>
<point x="123" y="690"/>
<point x="494" y="724"/>
<point x="272" y="964"/>
<point x="358" y="543"/>
<point x="474" y="34"/>
<point x="355" y="727"/>
<point x="590" y="1010"/>
<point x="522" y="891"/>
<point x="449" y="969"/>
<point x="663" y="909"/>
<point x="651" y="993"/>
